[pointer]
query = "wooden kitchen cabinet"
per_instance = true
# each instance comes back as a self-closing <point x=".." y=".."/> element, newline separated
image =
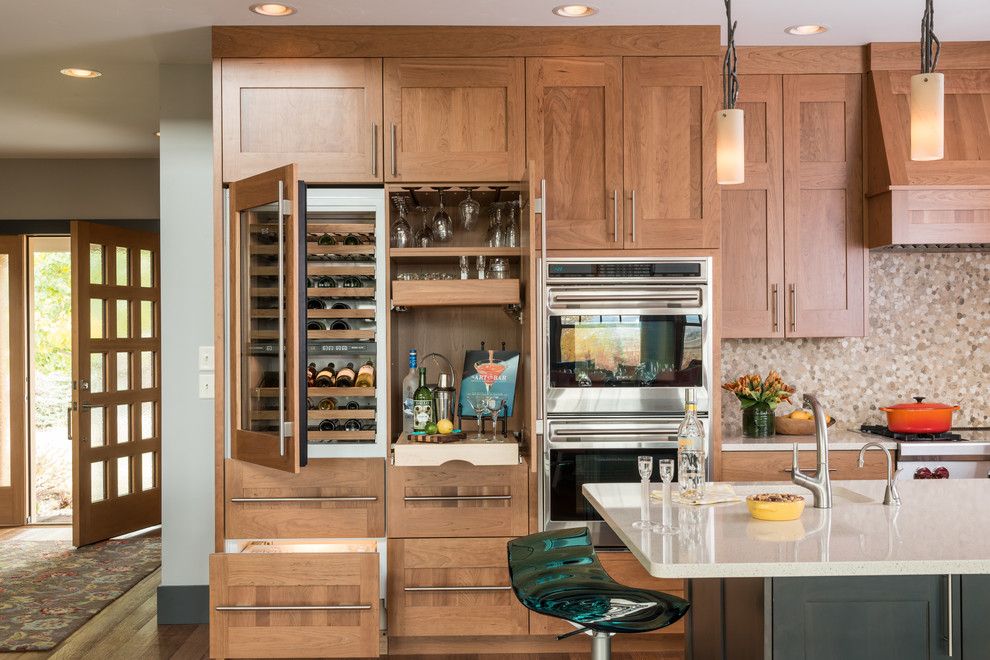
<point x="455" y="119"/>
<point x="324" y="114"/>
<point x="669" y="106"/>
<point x="776" y="465"/>
<point x="573" y="133"/>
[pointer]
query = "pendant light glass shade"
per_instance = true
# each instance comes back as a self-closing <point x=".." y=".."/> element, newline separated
<point x="927" y="116"/>
<point x="730" y="158"/>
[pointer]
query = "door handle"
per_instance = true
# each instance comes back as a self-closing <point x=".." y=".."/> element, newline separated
<point x="374" y="149"/>
<point x="369" y="498"/>
<point x="454" y="498"/>
<point x="479" y="588"/>
<point x="633" y="197"/>
<point x="69" y="419"/>
<point x="948" y="617"/>
<point x="281" y="319"/>
<point x="395" y="166"/>
<point x="774" y="312"/>
<point x="793" y="301"/>
<point x="615" y="216"/>
<point x="288" y="608"/>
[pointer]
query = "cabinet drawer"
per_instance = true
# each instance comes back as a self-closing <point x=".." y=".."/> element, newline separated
<point x="776" y="465"/>
<point x="294" y="605"/>
<point x="457" y="499"/>
<point x="452" y="587"/>
<point x="624" y="569"/>
<point x="329" y="498"/>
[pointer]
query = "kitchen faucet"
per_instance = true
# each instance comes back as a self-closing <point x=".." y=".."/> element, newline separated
<point x="890" y="496"/>
<point x="820" y="485"/>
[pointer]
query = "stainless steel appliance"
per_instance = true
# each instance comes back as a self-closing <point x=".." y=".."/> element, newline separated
<point x="962" y="453"/>
<point x="627" y="336"/>
<point x="578" y="451"/>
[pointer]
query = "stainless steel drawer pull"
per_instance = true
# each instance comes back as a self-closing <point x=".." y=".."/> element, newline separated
<point x="492" y="588"/>
<point x="305" y="499"/>
<point x="395" y="165"/>
<point x="288" y="608"/>
<point x="454" y="498"/>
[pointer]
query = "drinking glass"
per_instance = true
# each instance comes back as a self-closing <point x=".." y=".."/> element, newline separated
<point x="424" y="236"/>
<point x="402" y="233"/>
<point x="443" y="227"/>
<point x="666" y="525"/>
<point x="477" y="402"/>
<point x="645" y="465"/>
<point x="470" y="210"/>
<point x="494" y="405"/>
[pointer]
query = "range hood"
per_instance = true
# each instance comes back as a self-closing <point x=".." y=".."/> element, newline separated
<point x="933" y="205"/>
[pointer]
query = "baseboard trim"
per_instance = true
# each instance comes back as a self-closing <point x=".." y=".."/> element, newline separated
<point x="183" y="604"/>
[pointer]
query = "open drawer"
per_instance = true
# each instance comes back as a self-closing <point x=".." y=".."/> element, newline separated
<point x="458" y="499"/>
<point x="294" y="604"/>
<point x="330" y="497"/>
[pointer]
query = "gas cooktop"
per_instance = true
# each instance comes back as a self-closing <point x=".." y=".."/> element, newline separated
<point x="910" y="437"/>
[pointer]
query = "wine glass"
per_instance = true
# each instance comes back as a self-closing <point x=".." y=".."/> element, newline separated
<point x="666" y="525"/>
<point x="424" y="236"/>
<point x="645" y="465"/>
<point x="477" y="402"/>
<point x="510" y="234"/>
<point x="496" y="237"/>
<point x="470" y="209"/>
<point x="443" y="227"/>
<point x="494" y="405"/>
<point x="402" y="233"/>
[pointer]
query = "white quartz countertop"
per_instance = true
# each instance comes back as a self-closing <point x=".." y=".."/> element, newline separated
<point x="942" y="526"/>
<point x="838" y="440"/>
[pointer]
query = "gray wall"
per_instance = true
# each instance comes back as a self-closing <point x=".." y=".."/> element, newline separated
<point x="78" y="189"/>
<point x="187" y="323"/>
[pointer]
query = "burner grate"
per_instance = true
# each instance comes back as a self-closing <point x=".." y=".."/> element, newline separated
<point x="876" y="429"/>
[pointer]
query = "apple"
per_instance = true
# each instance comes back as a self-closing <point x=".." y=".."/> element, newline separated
<point x="941" y="473"/>
<point x="922" y="473"/>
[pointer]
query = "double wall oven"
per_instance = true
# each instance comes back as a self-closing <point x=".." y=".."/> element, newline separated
<point x="624" y="341"/>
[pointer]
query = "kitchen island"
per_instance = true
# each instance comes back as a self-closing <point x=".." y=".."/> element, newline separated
<point x="859" y="580"/>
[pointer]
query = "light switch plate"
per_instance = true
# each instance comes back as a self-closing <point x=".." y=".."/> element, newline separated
<point x="206" y="386"/>
<point x="206" y="362"/>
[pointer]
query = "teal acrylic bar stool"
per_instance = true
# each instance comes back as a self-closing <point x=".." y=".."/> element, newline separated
<point x="556" y="573"/>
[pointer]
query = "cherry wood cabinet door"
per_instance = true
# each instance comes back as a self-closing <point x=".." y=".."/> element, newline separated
<point x="573" y="133"/>
<point x="669" y="168"/>
<point x="824" y="250"/>
<point x="455" y="119"/>
<point x="323" y="114"/>
<point x="753" y="219"/>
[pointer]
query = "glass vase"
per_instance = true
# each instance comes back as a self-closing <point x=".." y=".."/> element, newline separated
<point x="757" y="421"/>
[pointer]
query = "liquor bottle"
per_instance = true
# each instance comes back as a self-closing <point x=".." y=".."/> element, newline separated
<point x="325" y="378"/>
<point x="409" y="384"/>
<point x="352" y="239"/>
<point x="326" y="282"/>
<point x="691" y="452"/>
<point x="315" y="303"/>
<point x="328" y="425"/>
<point x="422" y="403"/>
<point x="311" y="374"/>
<point x="326" y="239"/>
<point x="345" y="377"/>
<point x="315" y="324"/>
<point x="366" y="375"/>
<point x="327" y="403"/>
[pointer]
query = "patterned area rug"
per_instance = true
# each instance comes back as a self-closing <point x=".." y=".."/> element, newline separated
<point x="48" y="589"/>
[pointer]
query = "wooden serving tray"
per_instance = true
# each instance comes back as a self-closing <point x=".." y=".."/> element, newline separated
<point x="436" y="437"/>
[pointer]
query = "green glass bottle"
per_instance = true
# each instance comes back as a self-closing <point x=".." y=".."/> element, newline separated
<point x="422" y="403"/>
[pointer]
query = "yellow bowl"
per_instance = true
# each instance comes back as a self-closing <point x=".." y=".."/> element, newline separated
<point x="775" y="510"/>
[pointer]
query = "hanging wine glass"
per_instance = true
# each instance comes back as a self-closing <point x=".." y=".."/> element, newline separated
<point x="496" y="237"/>
<point x="470" y="210"/>
<point x="443" y="227"/>
<point x="401" y="235"/>
<point x="511" y="231"/>
<point x="424" y="236"/>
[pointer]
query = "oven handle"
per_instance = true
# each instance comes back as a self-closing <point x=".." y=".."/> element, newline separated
<point x="626" y="295"/>
<point x="611" y="308"/>
<point x="612" y="444"/>
<point x="610" y="433"/>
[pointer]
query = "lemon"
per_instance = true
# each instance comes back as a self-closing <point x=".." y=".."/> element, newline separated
<point x="445" y="426"/>
<point x="801" y="414"/>
<point x="431" y="428"/>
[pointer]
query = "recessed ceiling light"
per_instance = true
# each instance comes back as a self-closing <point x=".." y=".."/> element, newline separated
<point x="80" y="73"/>
<point x="806" y="30"/>
<point x="272" y="9"/>
<point x="575" y="11"/>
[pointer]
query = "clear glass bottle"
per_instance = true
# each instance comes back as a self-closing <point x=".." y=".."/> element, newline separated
<point x="691" y="452"/>
<point x="409" y="384"/>
<point x="345" y="377"/>
<point x="366" y="375"/>
<point x="422" y="403"/>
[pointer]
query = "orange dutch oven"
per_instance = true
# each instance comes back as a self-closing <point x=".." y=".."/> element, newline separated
<point x="919" y="417"/>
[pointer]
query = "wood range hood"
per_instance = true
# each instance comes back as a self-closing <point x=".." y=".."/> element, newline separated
<point x="934" y="205"/>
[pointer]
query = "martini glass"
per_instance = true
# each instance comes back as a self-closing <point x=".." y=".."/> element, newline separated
<point x="494" y="405"/>
<point x="477" y="402"/>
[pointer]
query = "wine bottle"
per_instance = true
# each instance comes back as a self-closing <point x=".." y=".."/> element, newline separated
<point x="315" y="324"/>
<point x="326" y="282"/>
<point x="353" y="405"/>
<point x="311" y="374"/>
<point x="366" y="375"/>
<point x="409" y="384"/>
<point x="326" y="239"/>
<point x="340" y="305"/>
<point x="315" y="303"/>
<point x="422" y="403"/>
<point x="345" y="377"/>
<point x="328" y="425"/>
<point x="352" y="425"/>
<point x="325" y="378"/>
<point x="328" y="403"/>
<point x="352" y="282"/>
<point x="352" y="239"/>
<point x="340" y="324"/>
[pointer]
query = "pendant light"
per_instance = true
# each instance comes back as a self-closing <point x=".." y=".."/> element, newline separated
<point x="730" y="157"/>
<point x="928" y="96"/>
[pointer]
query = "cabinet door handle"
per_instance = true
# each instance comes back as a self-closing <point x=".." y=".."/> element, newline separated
<point x="948" y="616"/>
<point x="281" y="318"/>
<point x="395" y="166"/>
<point x="615" y="216"/>
<point x="793" y="302"/>
<point x="241" y="500"/>
<point x="774" y="311"/>
<point x="633" y="215"/>
<point x="374" y="149"/>
<point x="288" y="608"/>
<point x="454" y="498"/>
<point x="480" y="588"/>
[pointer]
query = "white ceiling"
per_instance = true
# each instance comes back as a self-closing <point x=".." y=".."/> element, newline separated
<point x="46" y="115"/>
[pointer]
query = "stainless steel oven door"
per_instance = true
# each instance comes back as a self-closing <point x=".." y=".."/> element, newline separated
<point x="628" y="350"/>
<point x="578" y="452"/>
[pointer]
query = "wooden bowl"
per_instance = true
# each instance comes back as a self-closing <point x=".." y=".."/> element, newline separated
<point x="786" y="426"/>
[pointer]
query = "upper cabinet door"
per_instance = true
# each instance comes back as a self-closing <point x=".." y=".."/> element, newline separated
<point x="323" y="114"/>
<point x="824" y="254"/>
<point x="753" y="220"/>
<point x="573" y="130"/>
<point x="454" y="119"/>
<point x="267" y="333"/>
<point x="669" y="110"/>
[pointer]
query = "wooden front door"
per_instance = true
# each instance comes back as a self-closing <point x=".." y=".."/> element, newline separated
<point x="13" y="352"/>
<point x="574" y="131"/>
<point x="116" y="374"/>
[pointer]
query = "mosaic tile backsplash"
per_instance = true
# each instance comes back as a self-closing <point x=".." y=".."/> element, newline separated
<point x="929" y="335"/>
